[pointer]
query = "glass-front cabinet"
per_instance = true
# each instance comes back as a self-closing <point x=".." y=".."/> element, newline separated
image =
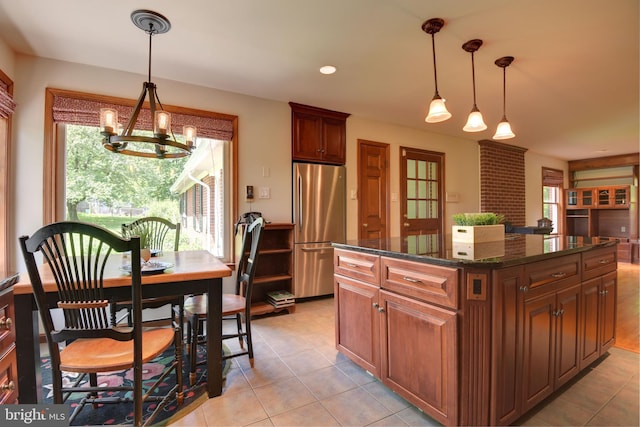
<point x="579" y="198"/>
<point x="613" y="197"/>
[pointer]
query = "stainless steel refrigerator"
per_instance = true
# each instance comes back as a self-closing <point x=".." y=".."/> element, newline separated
<point x="319" y="215"/>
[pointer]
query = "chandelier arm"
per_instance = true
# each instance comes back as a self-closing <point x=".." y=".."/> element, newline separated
<point x="128" y="131"/>
<point x="152" y="100"/>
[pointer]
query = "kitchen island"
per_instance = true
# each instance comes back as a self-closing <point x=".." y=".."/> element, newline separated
<point x="477" y="336"/>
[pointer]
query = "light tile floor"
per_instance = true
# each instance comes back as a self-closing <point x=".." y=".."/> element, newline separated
<point x="299" y="379"/>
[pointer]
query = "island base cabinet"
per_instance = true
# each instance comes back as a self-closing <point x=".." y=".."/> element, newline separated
<point x="419" y="354"/>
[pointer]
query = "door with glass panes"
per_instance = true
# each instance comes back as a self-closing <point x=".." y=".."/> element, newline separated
<point x="422" y="201"/>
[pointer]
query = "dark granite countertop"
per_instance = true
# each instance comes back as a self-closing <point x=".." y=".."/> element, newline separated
<point x="8" y="279"/>
<point x="516" y="249"/>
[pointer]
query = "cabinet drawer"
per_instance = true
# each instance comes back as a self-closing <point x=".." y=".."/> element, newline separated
<point x="430" y="283"/>
<point x="7" y="328"/>
<point x="357" y="265"/>
<point x="8" y="377"/>
<point x="558" y="271"/>
<point x="598" y="262"/>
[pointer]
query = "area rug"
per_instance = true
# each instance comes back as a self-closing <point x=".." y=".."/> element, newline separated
<point x="122" y="413"/>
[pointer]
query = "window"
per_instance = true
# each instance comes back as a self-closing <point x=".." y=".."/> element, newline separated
<point x="552" y="182"/>
<point x="72" y="112"/>
<point x="6" y="110"/>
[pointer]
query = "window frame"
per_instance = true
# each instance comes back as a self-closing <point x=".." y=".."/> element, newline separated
<point x="6" y="189"/>
<point x="54" y="151"/>
<point x="554" y="178"/>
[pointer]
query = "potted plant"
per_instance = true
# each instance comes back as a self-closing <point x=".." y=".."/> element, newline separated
<point x="477" y="227"/>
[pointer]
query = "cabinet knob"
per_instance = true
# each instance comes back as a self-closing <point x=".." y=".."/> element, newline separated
<point x="10" y="386"/>
<point x="406" y="224"/>
<point x="604" y="261"/>
<point x="524" y="289"/>
<point x="365" y="225"/>
<point x="381" y="309"/>
<point x="375" y="305"/>
<point x="558" y="275"/>
<point x="6" y="323"/>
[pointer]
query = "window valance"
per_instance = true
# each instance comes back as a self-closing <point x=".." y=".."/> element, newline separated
<point x="7" y="106"/>
<point x="86" y="112"/>
<point x="552" y="177"/>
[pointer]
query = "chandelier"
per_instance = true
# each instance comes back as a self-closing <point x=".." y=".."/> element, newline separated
<point x="163" y="144"/>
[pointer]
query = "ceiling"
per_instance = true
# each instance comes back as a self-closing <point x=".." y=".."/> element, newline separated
<point x="572" y="90"/>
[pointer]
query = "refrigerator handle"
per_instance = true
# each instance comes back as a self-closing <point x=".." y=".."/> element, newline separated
<point x="300" y="202"/>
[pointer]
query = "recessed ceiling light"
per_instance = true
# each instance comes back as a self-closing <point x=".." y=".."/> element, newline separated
<point x="328" y="69"/>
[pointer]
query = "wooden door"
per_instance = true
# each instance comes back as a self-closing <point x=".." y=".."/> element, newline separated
<point x="422" y="201"/>
<point x="373" y="185"/>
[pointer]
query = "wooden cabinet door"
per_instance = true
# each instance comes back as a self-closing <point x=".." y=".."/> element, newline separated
<point x="506" y="345"/>
<point x="590" y="343"/>
<point x="358" y="322"/>
<point x="334" y="141"/>
<point x="307" y="135"/>
<point x="419" y="354"/>
<point x="608" y="296"/>
<point x="567" y="354"/>
<point x="539" y="348"/>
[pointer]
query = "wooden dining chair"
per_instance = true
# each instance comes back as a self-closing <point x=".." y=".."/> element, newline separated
<point x="88" y="343"/>
<point x="153" y="232"/>
<point x="235" y="306"/>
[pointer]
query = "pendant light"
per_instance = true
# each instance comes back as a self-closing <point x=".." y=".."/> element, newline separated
<point x="163" y="144"/>
<point x="437" y="110"/>
<point x="503" y="130"/>
<point x="475" y="122"/>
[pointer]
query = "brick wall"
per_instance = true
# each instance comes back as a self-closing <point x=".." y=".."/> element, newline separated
<point x="502" y="181"/>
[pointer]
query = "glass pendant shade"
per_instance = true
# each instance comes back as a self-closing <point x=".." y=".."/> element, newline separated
<point x="437" y="111"/>
<point x="109" y="120"/>
<point x="475" y="122"/>
<point x="503" y="131"/>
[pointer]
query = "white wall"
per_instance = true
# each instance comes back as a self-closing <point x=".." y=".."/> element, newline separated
<point x="6" y="59"/>
<point x="264" y="136"/>
<point x="533" y="164"/>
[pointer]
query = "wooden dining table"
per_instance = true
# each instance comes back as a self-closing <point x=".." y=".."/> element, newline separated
<point x="192" y="273"/>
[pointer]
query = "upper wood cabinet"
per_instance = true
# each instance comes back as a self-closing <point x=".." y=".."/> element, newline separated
<point x="598" y="197"/>
<point x="318" y="135"/>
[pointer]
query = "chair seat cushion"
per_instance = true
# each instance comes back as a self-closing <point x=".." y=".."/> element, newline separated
<point x="106" y="354"/>
<point x="231" y="304"/>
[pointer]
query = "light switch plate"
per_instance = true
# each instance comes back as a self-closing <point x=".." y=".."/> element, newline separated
<point x="264" y="193"/>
